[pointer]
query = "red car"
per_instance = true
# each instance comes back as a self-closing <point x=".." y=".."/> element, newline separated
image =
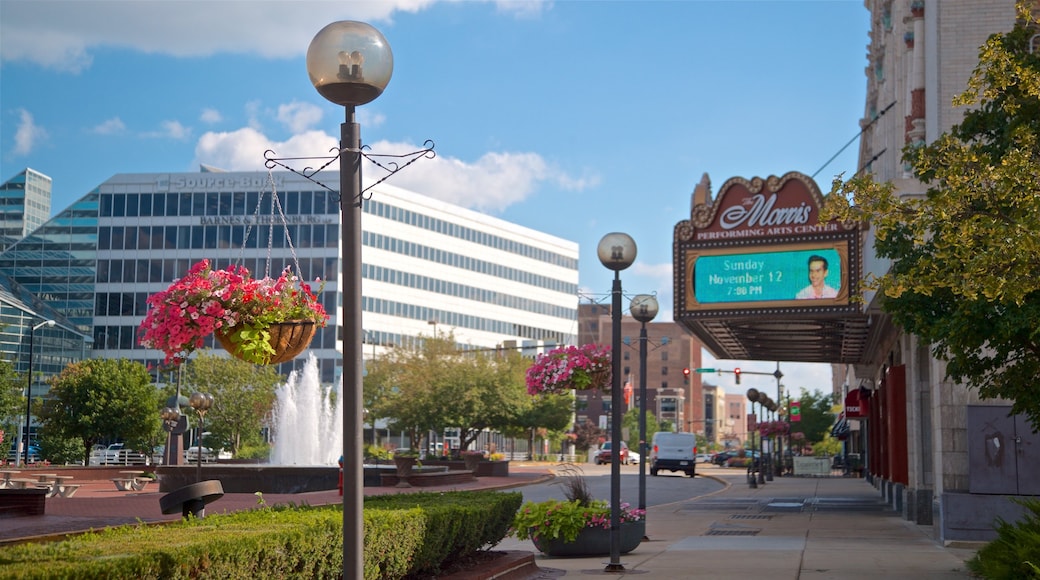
<point x="603" y="456"/>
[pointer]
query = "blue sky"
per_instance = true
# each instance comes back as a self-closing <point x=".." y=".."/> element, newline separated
<point x="576" y="118"/>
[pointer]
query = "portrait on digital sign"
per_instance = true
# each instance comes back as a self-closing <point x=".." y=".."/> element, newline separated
<point x="787" y="275"/>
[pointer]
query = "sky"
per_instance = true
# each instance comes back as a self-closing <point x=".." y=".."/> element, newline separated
<point x="573" y="117"/>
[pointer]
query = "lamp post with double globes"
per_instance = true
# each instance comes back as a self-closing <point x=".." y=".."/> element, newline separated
<point x="201" y="402"/>
<point x="28" y="388"/>
<point x="752" y="395"/>
<point x="643" y="309"/>
<point x="616" y="251"/>
<point x="350" y="63"/>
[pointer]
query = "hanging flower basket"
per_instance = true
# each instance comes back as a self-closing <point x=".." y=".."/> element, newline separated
<point x="285" y="339"/>
<point x="570" y="367"/>
<point x="240" y="310"/>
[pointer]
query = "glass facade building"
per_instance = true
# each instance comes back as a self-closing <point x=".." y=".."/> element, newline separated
<point x="428" y="266"/>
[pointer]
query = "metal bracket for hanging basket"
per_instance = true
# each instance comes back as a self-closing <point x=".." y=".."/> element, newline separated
<point x="389" y="164"/>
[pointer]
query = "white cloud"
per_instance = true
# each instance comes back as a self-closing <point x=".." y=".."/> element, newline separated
<point x="299" y="117"/>
<point x="28" y="135"/>
<point x="61" y="34"/>
<point x="524" y="8"/>
<point x="243" y="150"/>
<point x="211" y="116"/>
<point x="491" y="183"/>
<point x="110" y="127"/>
<point x="175" y="130"/>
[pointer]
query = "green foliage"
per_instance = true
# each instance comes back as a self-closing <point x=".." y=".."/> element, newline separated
<point x="12" y="401"/>
<point x="817" y="416"/>
<point x="96" y="400"/>
<point x="58" y="449"/>
<point x="1015" y="553"/>
<point x="405" y="535"/>
<point x="630" y="420"/>
<point x="243" y="395"/>
<point x="434" y="386"/>
<point x="259" y="451"/>
<point x="966" y="255"/>
<point x="377" y="452"/>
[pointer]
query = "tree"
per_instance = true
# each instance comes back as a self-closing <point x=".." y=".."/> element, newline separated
<point x="587" y="434"/>
<point x="548" y="411"/>
<point x="630" y="421"/>
<point x="97" y="400"/>
<point x="12" y="401"/>
<point x="243" y="396"/>
<point x="817" y="416"/>
<point x="435" y="386"/>
<point x="966" y="255"/>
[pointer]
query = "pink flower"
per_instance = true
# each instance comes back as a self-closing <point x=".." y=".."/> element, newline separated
<point x="205" y="300"/>
<point x="570" y="367"/>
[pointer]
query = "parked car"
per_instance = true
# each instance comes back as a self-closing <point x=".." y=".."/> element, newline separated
<point x="603" y="456"/>
<point x="673" y="452"/>
<point x="120" y="454"/>
<point x="722" y="458"/>
<point x="634" y="457"/>
<point x="703" y="458"/>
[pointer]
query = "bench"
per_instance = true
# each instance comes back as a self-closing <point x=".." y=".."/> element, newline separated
<point x="427" y="479"/>
<point x="123" y="484"/>
<point x="22" y="502"/>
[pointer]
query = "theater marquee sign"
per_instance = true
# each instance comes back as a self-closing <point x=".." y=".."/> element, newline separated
<point x="759" y="250"/>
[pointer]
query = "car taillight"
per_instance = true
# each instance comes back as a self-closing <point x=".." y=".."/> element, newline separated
<point x="655" y="449"/>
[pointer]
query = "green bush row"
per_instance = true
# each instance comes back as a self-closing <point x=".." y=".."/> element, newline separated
<point x="404" y="534"/>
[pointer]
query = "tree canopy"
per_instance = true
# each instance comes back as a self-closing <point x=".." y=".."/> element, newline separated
<point x="435" y="386"/>
<point x="243" y="396"/>
<point x="966" y="255"/>
<point x="12" y="401"/>
<point x="98" y="400"/>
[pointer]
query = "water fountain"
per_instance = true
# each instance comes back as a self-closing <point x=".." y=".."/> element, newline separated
<point x="308" y="437"/>
<point x="308" y="424"/>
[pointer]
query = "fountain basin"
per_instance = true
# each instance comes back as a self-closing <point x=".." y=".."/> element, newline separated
<point x="253" y="478"/>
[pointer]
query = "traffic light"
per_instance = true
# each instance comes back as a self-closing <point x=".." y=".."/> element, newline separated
<point x="736" y="373"/>
<point x="686" y="376"/>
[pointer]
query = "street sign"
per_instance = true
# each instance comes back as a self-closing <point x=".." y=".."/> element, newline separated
<point x="796" y="411"/>
<point x="705" y="370"/>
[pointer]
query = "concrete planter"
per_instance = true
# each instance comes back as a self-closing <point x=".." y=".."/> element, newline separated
<point x="593" y="542"/>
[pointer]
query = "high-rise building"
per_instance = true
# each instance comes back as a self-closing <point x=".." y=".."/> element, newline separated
<point x="25" y="203"/>
<point x="428" y="266"/>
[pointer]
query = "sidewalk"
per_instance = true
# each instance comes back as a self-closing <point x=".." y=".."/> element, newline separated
<point x="788" y="528"/>
<point x="798" y="528"/>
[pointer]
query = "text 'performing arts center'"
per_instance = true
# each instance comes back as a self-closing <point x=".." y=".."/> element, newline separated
<point x="428" y="266"/>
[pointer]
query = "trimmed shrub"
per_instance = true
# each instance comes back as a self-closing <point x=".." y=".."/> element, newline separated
<point x="1015" y="554"/>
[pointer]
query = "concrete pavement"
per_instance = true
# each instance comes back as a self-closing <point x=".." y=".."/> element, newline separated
<point x="791" y="527"/>
<point x="788" y="528"/>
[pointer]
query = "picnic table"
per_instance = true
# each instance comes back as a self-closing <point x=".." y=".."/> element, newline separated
<point x="5" y="480"/>
<point x="131" y="480"/>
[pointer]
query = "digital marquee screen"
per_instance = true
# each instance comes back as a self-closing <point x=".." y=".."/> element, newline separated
<point x="789" y="275"/>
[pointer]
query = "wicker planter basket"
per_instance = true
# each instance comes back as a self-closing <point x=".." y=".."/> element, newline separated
<point x="288" y="339"/>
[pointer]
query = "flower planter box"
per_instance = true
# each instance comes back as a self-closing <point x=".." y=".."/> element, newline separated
<point x="484" y="468"/>
<point x="593" y="542"/>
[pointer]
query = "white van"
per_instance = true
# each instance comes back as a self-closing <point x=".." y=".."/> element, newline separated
<point x="674" y="452"/>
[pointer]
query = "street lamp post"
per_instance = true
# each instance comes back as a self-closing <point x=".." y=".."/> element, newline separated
<point x="350" y="63"/>
<point x="752" y="395"/>
<point x="644" y="309"/>
<point x="616" y="251"/>
<point x="201" y="402"/>
<point x="28" y="387"/>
